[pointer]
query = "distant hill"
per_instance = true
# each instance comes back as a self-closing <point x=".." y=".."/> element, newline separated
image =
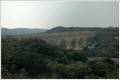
<point x="18" y="31"/>
<point x="72" y="29"/>
<point x="78" y="29"/>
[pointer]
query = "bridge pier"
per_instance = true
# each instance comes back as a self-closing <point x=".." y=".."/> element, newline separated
<point x="68" y="46"/>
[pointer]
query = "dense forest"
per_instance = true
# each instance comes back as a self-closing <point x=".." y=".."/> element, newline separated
<point x="35" y="58"/>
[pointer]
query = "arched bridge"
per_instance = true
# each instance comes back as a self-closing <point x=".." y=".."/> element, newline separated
<point x="66" y="40"/>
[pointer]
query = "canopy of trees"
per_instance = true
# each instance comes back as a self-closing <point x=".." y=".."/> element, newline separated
<point x="33" y="58"/>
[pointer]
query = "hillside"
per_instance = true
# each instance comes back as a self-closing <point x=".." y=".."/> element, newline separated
<point x="82" y="54"/>
<point x="18" y="31"/>
<point x="94" y="41"/>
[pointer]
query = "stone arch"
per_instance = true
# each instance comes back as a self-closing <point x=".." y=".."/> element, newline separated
<point x="63" y="44"/>
<point x="80" y="42"/>
<point x="73" y="43"/>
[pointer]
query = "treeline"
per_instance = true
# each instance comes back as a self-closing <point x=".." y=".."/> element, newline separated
<point x="33" y="58"/>
<point x="78" y="29"/>
<point x="105" y="43"/>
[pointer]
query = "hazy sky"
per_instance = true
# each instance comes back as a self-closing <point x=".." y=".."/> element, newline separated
<point x="48" y="14"/>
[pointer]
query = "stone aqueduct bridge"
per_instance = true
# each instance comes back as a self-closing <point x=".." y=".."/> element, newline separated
<point x="66" y="37"/>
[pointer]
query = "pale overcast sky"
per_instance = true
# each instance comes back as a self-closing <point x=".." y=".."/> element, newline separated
<point x="49" y="14"/>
